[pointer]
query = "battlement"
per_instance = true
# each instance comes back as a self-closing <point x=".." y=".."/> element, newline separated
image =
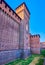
<point x="21" y="10"/>
<point x="9" y="11"/>
<point x="37" y="35"/>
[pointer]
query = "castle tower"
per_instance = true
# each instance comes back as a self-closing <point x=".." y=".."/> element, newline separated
<point x="23" y="12"/>
<point x="35" y="44"/>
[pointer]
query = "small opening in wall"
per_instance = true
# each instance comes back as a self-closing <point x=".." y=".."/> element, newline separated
<point x="5" y="6"/>
<point x="7" y="13"/>
<point x="3" y="10"/>
<point x="32" y="36"/>
<point x="9" y="10"/>
<point x="13" y="13"/>
<point x="36" y="35"/>
<point x="0" y="7"/>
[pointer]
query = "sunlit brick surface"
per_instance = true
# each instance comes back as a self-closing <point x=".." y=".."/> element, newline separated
<point x="9" y="33"/>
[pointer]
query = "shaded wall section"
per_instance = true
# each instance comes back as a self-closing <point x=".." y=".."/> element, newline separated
<point x="9" y="38"/>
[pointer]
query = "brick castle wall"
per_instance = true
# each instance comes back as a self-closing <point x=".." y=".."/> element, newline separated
<point x="9" y="34"/>
<point x="15" y="40"/>
<point x="35" y="44"/>
<point x="42" y="45"/>
<point x="7" y="9"/>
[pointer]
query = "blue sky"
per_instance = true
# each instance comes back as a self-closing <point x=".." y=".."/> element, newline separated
<point x="37" y="18"/>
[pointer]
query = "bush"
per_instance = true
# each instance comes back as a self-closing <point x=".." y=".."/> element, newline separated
<point x="40" y="62"/>
<point x="43" y="52"/>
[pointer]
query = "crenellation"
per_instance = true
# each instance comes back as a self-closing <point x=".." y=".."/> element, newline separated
<point x="12" y="17"/>
<point x="37" y="35"/>
<point x="9" y="11"/>
<point x="35" y="43"/>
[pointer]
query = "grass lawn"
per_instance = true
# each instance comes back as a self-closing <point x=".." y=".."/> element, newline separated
<point x="41" y="60"/>
<point x="34" y="61"/>
<point x="43" y="52"/>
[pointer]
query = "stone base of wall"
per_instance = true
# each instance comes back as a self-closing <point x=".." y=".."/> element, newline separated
<point x="26" y="53"/>
<point x="7" y="56"/>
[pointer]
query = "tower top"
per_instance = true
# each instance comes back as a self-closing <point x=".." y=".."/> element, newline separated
<point x="23" y="11"/>
<point x="24" y="5"/>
